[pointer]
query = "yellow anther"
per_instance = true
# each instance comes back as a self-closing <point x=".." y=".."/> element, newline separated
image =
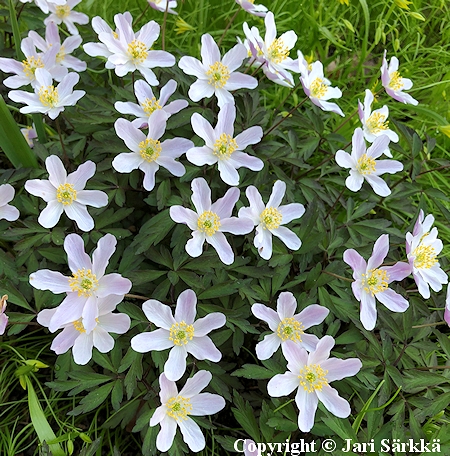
<point x="425" y="257"/>
<point x="66" y="194"/>
<point x="278" y="51"/>
<point x="366" y="165"/>
<point x="60" y="55"/>
<point x="376" y="123"/>
<point x="150" y="105"/>
<point x="48" y="96"/>
<point x="179" y="408"/>
<point x="138" y="51"/>
<point x="30" y="65"/>
<point x="224" y="146"/>
<point x="313" y="378"/>
<point x="271" y="218"/>
<point x="62" y="11"/>
<point x="150" y="149"/>
<point x="375" y="281"/>
<point x="181" y="333"/>
<point x="84" y="281"/>
<point x="218" y="75"/>
<point x="78" y="325"/>
<point x="396" y="82"/>
<point x="318" y="88"/>
<point x="208" y="222"/>
<point x="291" y="329"/>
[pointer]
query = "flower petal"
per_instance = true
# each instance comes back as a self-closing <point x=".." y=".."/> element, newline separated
<point x="268" y="346"/>
<point x="208" y="323"/>
<point x="186" y="308"/>
<point x="156" y="340"/>
<point x="158" y="313"/>
<point x="175" y="366"/>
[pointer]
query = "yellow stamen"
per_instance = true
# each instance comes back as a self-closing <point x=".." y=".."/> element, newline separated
<point x="138" y="51"/>
<point x="181" y="333"/>
<point x="48" y="96"/>
<point x="115" y="35"/>
<point x="84" y="281"/>
<point x="278" y="51"/>
<point x="376" y="123"/>
<point x="375" y="281"/>
<point x="66" y="194"/>
<point x="208" y="222"/>
<point x="313" y="378"/>
<point x="179" y="408"/>
<point x="62" y="11"/>
<point x="218" y="75"/>
<point x="291" y="329"/>
<point x="318" y="88"/>
<point x="425" y="257"/>
<point x="224" y="146"/>
<point x="396" y="82"/>
<point x="150" y="105"/>
<point x="366" y="165"/>
<point x="78" y="325"/>
<point x="30" y="65"/>
<point x="150" y="149"/>
<point x="271" y="218"/>
<point x="60" y="55"/>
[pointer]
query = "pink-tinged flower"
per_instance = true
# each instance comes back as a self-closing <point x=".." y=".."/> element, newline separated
<point x="44" y="4"/>
<point x="272" y="52"/>
<point x="25" y="71"/>
<point x="29" y="133"/>
<point x="394" y="84"/>
<point x="65" y="193"/>
<point x="75" y="336"/>
<point x="65" y="14"/>
<point x="7" y="211"/>
<point x="447" y="306"/>
<point x="372" y="282"/>
<point x="48" y="99"/>
<point x="312" y="374"/>
<point x="52" y="39"/>
<point x="163" y="5"/>
<point x="87" y="284"/>
<point x="222" y="148"/>
<point x="3" y="317"/>
<point x="319" y="89"/>
<point x="250" y="7"/>
<point x="181" y="334"/>
<point x="131" y="52"/>
<point x="217" y="75"/>
<point x="148" y="152"/>
<point x="148" y="103"/>
<point x="176" y="407"/>
<point x="363" y="166"/>
<point x="375" y="124"/>
<point x="269" y="219"/>
<point x="303" y="66"/>
<point x="287" y="326"/>
<point x="211" y="220"/>
<point x="422" y="249"/>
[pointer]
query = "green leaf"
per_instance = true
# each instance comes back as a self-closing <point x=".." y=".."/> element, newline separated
<point x="254" y="372"/>
<point x="93" y="400"/>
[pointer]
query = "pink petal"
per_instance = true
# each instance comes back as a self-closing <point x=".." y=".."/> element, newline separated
<point x="76" y="256"/>
<point x="340" y="368"/>
<point x="149" y="341"/>
<point x="379" y="253"/>
<point x="286" y="305"/>
<point x="208" y="323"/>
<point x="312" y="315"/>
<point x="186" y="308"/>
<point x="203" y="348"/>
<point x="180" y="214"/>
<point x="106" y="246"/>
<point x="392" y="300"/>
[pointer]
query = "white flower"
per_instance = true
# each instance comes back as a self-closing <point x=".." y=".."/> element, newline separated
<point x="250" y="7"/>
<point x="65" y="193"/>
<point x="163" y="5"/>
<point x="375" y="123"/>
<point x="64" y="14"/>
<point x="319" y="89"/>
<point x="74" y="334"/>
<point x="47" y="98"/>
<point x="148" y="152"/>
<point x="422" y="249"/>
<point x="269" y="219"/>
<point x="363" y="166"/>
<point x="130" y="52"/>
<point x="7" y="211"/>
<point x="148" y="103"/>
<point x="29" y="133"/>
<point x="181" y="334"/>
<point x="222" y="148"/>
<point x="176" y="407"/>
<point x="85" y="287"/>
<point x="311" y="375"/>
<point x="211" y="220"/>
<point x="287" y="326"/>
<point x="3" y="317"/>
<point x="44" y="4"/>
<point x="216" y="75"/>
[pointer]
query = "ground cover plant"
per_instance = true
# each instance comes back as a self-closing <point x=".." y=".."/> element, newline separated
<point x="224" y="225"/>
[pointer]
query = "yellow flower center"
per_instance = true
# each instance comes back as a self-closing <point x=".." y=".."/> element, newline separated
<point x="224" y="146"/>
<point x="60" y="55"/>
<point x="375" y="281"/>
<point x="30" y="65"/>
<point x="48" y="96"/>
<point x="425" y="257"/>
<point x="218" y="75"/>
<point x="138" y="52"/>
<point x="150" y="149"/>
<point x="150" y="105"/>
<point x="84" y="282"/>
<point x="318" y="88"/>
<point x="181" y="333"/>
<point x="396" y="82"/>
<point x="313" y="378"/>
<point x="291" y="329"/>
<point x="66" y="194"/>
<point x="115" y="35"/>
<point x="366" y="165"/>
<point x="62" y="11"/>
<point x="271" y="218"/>
<point x="376" y="123"/>
<point x="278" y="51"/>
<point x="179" y="408"/>
<point x="208" y="222"/>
